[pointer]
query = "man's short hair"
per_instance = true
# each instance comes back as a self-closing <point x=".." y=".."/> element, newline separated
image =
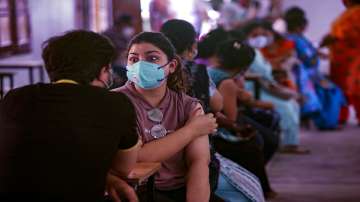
<point x="77" y="55"/>
<point x="181" y="33"/>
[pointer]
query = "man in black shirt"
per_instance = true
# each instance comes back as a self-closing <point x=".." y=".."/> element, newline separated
<point x="58" y="141"/>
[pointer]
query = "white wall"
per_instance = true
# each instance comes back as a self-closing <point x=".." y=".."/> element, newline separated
<point x="52" y="17"/>
<point x="49" y="18"/>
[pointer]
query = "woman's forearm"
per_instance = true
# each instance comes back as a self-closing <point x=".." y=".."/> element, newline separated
<point x="163" y="148"/>
<point x="199" y="125"/>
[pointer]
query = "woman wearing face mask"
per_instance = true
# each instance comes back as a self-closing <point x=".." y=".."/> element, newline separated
<point x="327" y="117"/>
<point x="183" y="36"/>
<point x="120" y="35"/>
<point x="283" y="99"/>
<point x="289" y="71"/>
<point x="171" y="124"/>
<point x="232" y="58"/>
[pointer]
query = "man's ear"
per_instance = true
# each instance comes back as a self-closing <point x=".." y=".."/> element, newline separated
<point x="193" y="50"/>
<point x="103" y="71"/>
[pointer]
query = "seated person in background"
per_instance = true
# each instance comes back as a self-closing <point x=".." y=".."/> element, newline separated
<point x="183" y="36"/>
<point x="59" y="140"/>
<point x="173" y="126"/>
<point x="263" y="40"/>
<point x="297" y="22"/>
<point x="261" y="115"/>
<point x="283" y="99"/>
<point x="244" y="96"/>
<point x="233" y="58"/>
<point x="331" y="104"/>
<point x="120" y="35"/>
<point x="269" y="134"/>
<point x="282" y="78"/>
<point x="281" y="52"/>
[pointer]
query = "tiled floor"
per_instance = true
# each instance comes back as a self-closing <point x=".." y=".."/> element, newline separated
<point x="331" y="173"/>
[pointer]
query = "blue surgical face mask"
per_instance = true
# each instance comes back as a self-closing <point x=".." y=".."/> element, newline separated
<point x="146" y="75"/>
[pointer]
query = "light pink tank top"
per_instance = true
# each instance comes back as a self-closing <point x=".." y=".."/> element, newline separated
<point x="176" y="108"/>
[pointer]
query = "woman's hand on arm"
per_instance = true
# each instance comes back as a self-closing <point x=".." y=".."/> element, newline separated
<point x="163" y="148"/>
